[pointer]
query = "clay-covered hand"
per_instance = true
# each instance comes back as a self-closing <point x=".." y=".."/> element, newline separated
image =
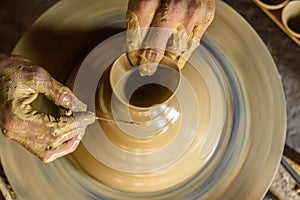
<point x="44" y="135"/>
<point x="176" y="29"/>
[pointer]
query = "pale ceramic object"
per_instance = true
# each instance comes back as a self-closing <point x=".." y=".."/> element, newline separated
<point x="232" y="60"/>
<point x="126" y="80"/>
<point x="185" y="131"/>
<point x="291" y="10"/>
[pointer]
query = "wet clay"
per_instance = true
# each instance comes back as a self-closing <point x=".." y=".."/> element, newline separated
<point x="164" y="177"/>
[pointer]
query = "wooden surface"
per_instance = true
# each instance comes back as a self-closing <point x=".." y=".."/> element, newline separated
<point x="275" y="16"/>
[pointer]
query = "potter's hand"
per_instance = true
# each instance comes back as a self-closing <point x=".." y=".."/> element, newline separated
<point x="45" y="136"/>
<point x="176" y="29"/>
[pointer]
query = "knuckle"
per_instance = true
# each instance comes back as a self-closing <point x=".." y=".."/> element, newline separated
<point x="40" y="73"/>
<point x="34" y="72"/>
<point x="153" y="54"/>
<point x="40" y="70"/>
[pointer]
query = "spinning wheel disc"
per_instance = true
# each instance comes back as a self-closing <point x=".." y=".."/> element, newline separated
<point x="232" y="144"/>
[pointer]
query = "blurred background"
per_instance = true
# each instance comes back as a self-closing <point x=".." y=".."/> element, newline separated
<point x="16" y="16"/>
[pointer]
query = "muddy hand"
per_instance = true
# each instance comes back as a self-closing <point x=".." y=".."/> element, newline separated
<point x="176" y="29"/>
<point x="43" y="135"/>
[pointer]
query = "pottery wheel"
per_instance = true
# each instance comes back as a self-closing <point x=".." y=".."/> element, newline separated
<point x="228" y="136"/>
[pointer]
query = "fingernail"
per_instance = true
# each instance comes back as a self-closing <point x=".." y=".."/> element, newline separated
<point x="66" y="99"/>
<point x="149" y="61"/>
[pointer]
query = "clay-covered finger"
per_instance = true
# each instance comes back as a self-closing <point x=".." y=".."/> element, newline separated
<point x="43" y="128"/>
<point x="64" y="149"/>
<point x="188" y="33"/>
<point x="26" y="116"/>
<point x="180" y="46"/>
<point x="177" y="44"/>
<point x="138" y="17"/>
<point x="46" y="153"/>
<point x="48" y="144"/>
<point x="68" y="124"/>
<point x="144" y="11"/>
<point x="65" y="137"/>
<point x="133" y="37"/>
<point x="167" y="16"/>
<point x="207" y="11"/>
<point x="81" y="121"/>
<point x="37" y="127"/>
